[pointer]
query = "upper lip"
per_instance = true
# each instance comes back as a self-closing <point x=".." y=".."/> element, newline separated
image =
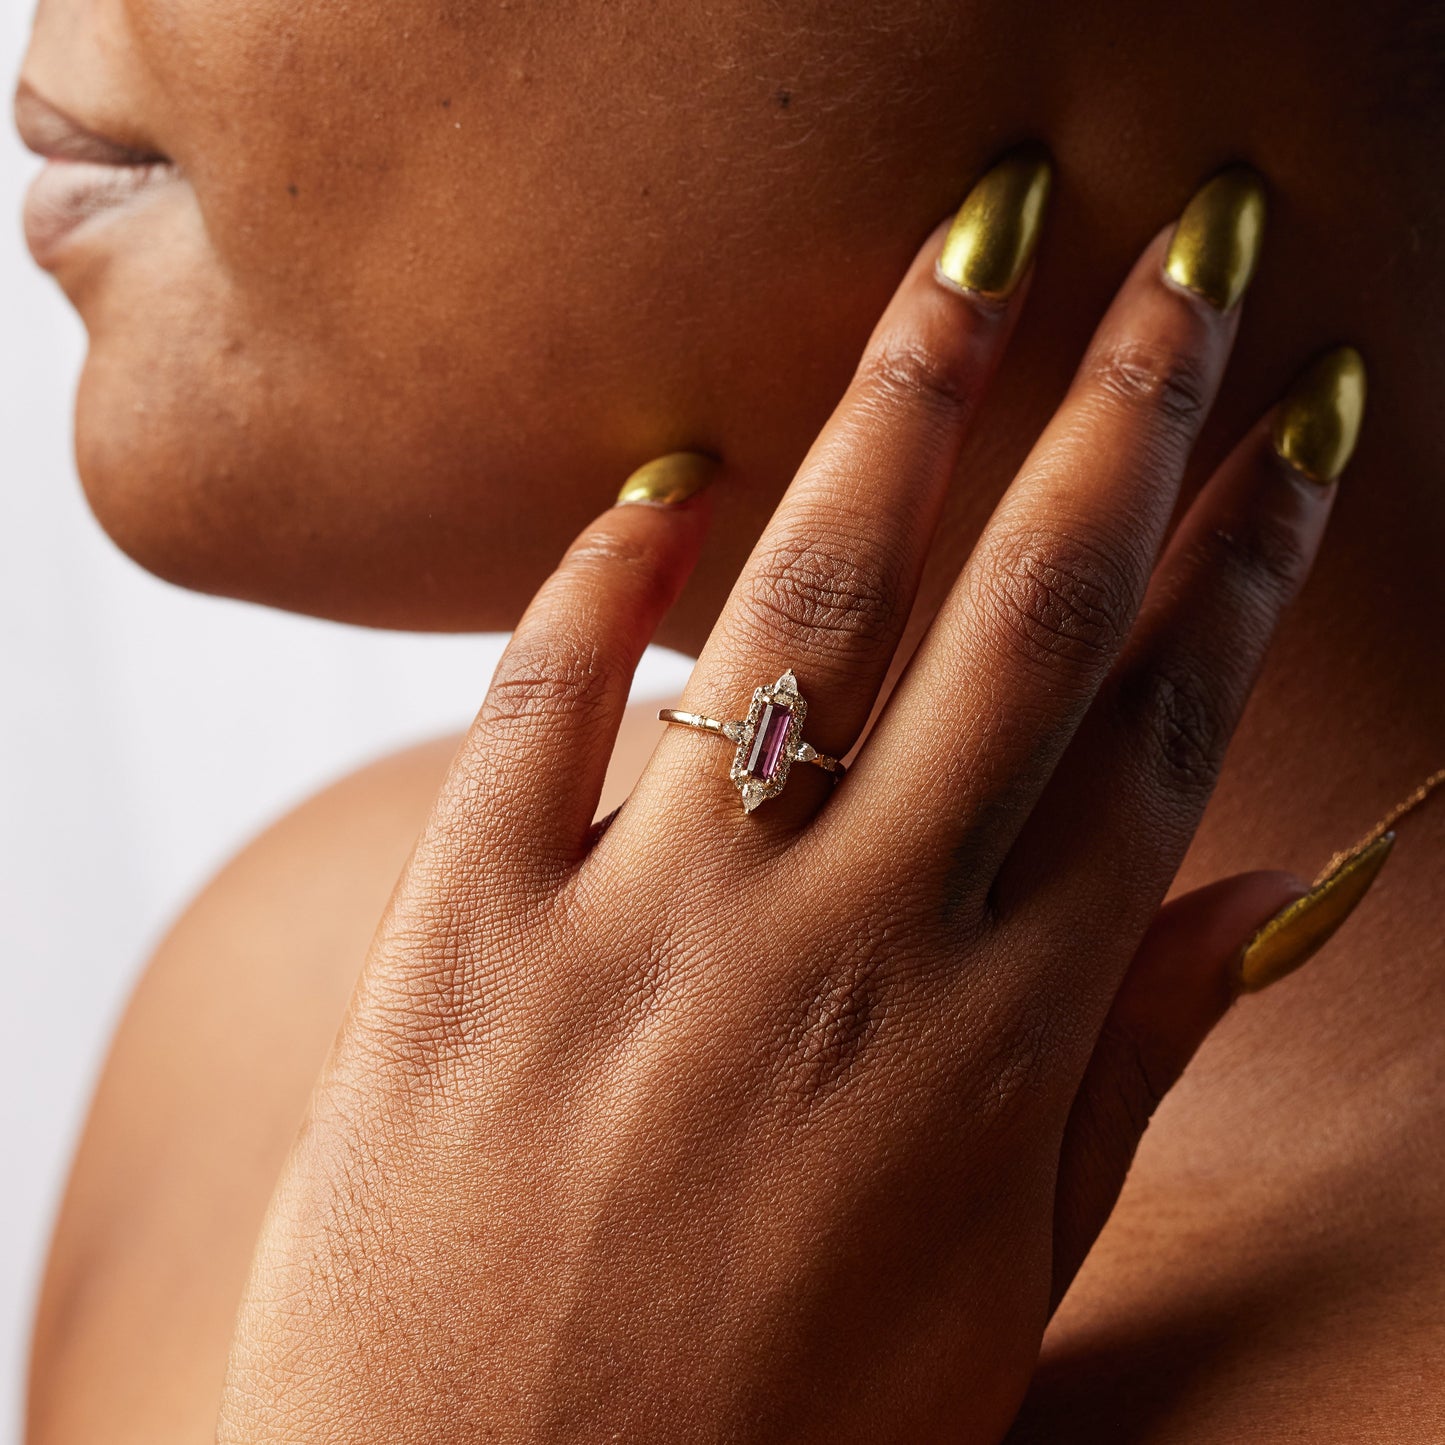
<point x="50" y="132"/>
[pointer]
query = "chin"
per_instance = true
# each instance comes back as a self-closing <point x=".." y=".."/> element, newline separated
<point x="413" y="468"/>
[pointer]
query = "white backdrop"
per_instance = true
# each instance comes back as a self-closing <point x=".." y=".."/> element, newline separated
<point x="144" y="734"/>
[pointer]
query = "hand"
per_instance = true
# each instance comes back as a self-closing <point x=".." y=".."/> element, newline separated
<point x="794" y="1124"/>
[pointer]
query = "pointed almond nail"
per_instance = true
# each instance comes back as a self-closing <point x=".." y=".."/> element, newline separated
<point x="1318" y="422"/>
<point x="1217" y="241"/>
<point x="996" y="231"/>
<point x="666" y="481"/>
<point x="1299" y="930"/>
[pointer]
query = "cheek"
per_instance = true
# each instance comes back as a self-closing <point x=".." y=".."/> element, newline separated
<point x="231" y="451"/>
<point x="438" y="290"/>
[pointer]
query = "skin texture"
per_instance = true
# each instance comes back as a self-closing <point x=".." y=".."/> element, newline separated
<point x="608" y="1149"/>
<point x="253" y="470"/>
<point x="357" y="319"/>
<point x="188" y="1136"/>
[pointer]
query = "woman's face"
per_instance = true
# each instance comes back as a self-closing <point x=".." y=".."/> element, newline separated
<point x="426" y="281"/>
<point x="422" y="283"/>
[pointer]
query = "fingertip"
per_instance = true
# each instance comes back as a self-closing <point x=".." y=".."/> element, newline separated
<point x="1214" y="247"/>
<point x="1184" y="975"/>
<point x="1317" y="423"/>
<point x="662" y="512"/>
<point x="670" y="480"/>
<point x="992" y="238"/>
<point x="1218" y="917"/>
<point x="1291" y="936"/>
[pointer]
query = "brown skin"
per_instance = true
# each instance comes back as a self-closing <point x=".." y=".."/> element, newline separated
<point x="361" y="320"/>
<point x="1167" y="1337"/>
<point x="418" y="485"/>
<point x="608" y="1147"/>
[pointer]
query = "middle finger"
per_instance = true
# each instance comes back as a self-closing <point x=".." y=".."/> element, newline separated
<point x="829" y="586"/>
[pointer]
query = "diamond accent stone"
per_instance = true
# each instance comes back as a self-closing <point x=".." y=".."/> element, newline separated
<point x="806" y="753"/>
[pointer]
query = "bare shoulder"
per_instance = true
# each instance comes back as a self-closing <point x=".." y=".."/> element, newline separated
<point x="196" y="1108"/>
<point x="200" y="1098"/>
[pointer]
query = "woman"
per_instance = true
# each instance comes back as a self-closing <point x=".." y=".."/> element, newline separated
<point x="792" y="1121"/>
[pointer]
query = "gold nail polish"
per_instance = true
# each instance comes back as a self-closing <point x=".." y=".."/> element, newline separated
<point x="996" y="231"/>
<point x="1318" y="423"/>
<point x="666" y="481"/>
<point x="1297" y="932"/>
<point x="1216" y="242"/>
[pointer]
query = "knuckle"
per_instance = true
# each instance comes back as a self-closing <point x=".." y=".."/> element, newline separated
<point x="1019" y="1062"/>
<point x="1181" y="722"/>
<point x="1058" y="598"/>
<point x="558" y="668"/>
<point x="558" y="677"/>
<point x="830" y="1025"/>
<point x="606" y="552"/>
<point x="1266" y="560"/>
<point x="606" y="565"/>
<point x="1164" y="381"/>
<point x="910" y="372"/>
<point x="825" y="592"/>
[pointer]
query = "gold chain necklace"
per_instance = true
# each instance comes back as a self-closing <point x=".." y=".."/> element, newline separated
<point x="1404" y="806"/>
<point x="1301" y="928"/>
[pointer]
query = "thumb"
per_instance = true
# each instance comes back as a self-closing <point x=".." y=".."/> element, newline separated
<point x="1180" y="984"/>
<point x="1238" y="935"/>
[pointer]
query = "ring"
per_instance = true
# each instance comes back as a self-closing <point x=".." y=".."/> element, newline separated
<point x="769" y="740"/>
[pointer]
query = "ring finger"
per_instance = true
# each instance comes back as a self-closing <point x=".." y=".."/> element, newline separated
<point x="1020" y="647"/>
<point x="829" y="586"/>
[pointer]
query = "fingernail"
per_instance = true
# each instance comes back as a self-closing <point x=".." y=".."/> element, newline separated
<point x="1318" y="423"/>
<point x="996" y="231"/>
<point x="1216" y="242"/>
<point x="666" y="481"/>
<point x="1297" y="932"/>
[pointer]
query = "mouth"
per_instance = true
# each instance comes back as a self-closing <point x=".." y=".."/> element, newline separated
<point x="87" y="176"/>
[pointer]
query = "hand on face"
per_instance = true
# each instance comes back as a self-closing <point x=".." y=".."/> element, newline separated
<point x="794" y="1123"/>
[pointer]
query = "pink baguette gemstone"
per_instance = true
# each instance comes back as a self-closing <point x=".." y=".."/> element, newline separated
<point x="772" y="732"/>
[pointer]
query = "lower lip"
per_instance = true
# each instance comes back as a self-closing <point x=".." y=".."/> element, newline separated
<point x="69" y="195"/>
